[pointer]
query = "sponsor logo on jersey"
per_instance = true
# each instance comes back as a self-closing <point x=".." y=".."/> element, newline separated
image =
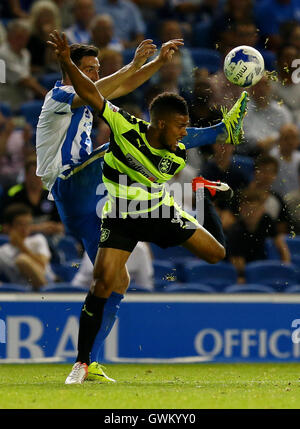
<point x="134" y="163"/>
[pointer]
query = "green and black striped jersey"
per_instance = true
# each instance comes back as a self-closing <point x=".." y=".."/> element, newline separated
<point x="133" y="170"/>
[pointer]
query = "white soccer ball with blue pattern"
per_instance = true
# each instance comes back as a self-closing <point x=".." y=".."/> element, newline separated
<point x="244" y="66"/>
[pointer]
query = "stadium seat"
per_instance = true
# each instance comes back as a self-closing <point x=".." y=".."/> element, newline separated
<point x="159" y="285"/>
<point x="3" y="239"/>
<point x="292" y="289"/>
<point x="5" y="109"/>
<point x="206" y="58"/>
<point x="48" y="80"/>
<point x="293" y="244"/>
<point x="67" y="248"/>
<point x="245" y="164"/>
<point x="63" y="287"/>
<point x="188" y="288"/>
<point x="271" y="250"/>
<point x="296" y="262"/>
<point x="137" y="288"/>
<point x="11" y="287"/>
<point x="164" y="270"/>
<point x="271" y="273"/>
<point x="3" y="278"/>
<point x="171" y="253"/>
<point x="65" y="272"/>
<point x="31" y="111"/>
<point x="248" y="288"/>
<point x="217" y="275"/>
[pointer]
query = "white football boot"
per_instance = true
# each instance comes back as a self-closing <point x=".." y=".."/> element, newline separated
<point x="78" y="374"/>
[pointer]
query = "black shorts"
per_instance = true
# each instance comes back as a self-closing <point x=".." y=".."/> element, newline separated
<point x="124" y="234"/>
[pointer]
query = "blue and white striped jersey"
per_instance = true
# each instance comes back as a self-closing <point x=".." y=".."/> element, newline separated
<point x="63" y="134"/>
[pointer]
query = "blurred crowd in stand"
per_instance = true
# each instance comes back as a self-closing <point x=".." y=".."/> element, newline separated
<point x="264" y="171"/>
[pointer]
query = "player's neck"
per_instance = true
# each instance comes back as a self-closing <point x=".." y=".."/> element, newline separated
<point x="66" y="81"/>
<point x="152" y="137"/>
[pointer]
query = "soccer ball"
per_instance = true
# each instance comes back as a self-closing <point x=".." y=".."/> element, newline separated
<point x="244" y="66"/>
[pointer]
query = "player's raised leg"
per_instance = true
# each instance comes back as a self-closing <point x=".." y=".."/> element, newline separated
<point x="205" y="246"/>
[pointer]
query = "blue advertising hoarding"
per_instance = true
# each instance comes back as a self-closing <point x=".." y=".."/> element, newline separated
<point x="158" y="327"/>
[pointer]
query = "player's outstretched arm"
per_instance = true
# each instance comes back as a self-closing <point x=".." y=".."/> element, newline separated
<point x="83" y="86"/>
<point x="109" y="84"/>
<point x="145" y="72"/>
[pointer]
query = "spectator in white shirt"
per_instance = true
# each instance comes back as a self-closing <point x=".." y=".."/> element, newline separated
<point x="288" y="159"/>
<point x="264" y="119"/>
<point x="25" y="259"/>
<point x="139" y="266"/>
<point x="286" y="89"/>
<point x="20" y="85"/>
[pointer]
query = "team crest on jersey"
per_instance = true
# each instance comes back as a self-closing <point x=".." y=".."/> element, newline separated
<point x="104" y="234"/>
<point x="165" y="165"/>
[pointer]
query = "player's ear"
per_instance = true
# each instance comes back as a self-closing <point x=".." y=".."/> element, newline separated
<point x="161" y="123"/>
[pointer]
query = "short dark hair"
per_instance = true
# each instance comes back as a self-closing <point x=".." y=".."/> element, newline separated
<point x="79" y="50"/>
<point x="14" y="210"/>
<point x="167" y="103"/>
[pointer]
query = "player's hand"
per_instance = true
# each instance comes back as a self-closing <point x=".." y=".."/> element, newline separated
<point x="167" y="50"/>
<point x="60" y="45"/>
<point x="145" y="50"/>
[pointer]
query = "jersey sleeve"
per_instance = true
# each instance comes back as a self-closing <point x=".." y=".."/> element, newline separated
<point x="118" y="120"/>
<point x="110" y="115"/>
<point x="16" y="70"/>
<point x="63" y="99"/>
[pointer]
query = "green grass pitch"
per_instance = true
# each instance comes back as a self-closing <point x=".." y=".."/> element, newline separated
<point x="186" y="386"/>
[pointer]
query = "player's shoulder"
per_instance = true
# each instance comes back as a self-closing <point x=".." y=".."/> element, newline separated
<point x="62" y="89"/>
<point x="122" y="116"/>
<point x="59" y="94"/>
<point x="60" y="85"/>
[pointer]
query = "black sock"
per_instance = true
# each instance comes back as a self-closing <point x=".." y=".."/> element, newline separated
<point x="89" y="325"/>
<point x="212" y="221"/>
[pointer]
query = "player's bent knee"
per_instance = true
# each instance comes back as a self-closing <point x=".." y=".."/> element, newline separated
<point x="218" y="256"/>
<point x="107" y="279"/>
